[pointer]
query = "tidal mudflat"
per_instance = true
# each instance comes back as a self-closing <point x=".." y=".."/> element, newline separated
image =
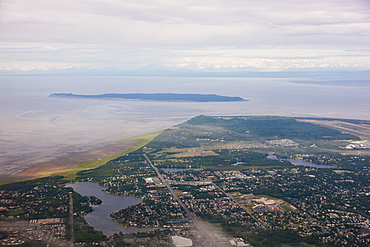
<point x="40" y="131"/>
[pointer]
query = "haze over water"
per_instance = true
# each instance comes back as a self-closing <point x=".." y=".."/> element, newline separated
<point x="36" y="128"/>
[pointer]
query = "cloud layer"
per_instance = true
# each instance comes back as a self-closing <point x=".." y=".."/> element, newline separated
<point x="218" y="34"/>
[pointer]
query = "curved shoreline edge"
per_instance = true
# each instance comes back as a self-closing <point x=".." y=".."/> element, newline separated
<point x="69" y="171"/>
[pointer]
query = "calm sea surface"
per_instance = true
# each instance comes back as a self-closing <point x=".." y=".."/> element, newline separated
<point x="35" y="128"/>
<point x="99" y="218"/>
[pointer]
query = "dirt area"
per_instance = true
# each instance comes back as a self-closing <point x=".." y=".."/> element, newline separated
<point x="71" y="160"/>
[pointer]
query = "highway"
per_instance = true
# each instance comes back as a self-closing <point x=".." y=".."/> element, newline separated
<point x="72" y="239"/>
<point x="210" y="239"/>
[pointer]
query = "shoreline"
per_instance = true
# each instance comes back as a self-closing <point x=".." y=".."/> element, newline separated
<point x="71" y="163"/>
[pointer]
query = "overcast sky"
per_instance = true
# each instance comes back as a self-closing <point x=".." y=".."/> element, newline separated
<point x="269" y="35"/>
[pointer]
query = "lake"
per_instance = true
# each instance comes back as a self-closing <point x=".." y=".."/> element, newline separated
<point x="99" y="218"/>
<point x="37" y="129"/>
<point x="297" y="162"/>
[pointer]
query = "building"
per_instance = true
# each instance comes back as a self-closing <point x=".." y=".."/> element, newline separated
<point x="181" y="241"/>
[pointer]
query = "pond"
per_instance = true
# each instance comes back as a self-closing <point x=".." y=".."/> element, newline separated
<point x="300" y="162"/>
<point x="99" y="218"/>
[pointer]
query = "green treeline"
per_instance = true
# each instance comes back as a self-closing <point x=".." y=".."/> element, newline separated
<point x="273" y="127"/>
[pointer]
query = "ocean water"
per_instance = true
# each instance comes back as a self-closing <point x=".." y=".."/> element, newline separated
<point x="35" y="128"/>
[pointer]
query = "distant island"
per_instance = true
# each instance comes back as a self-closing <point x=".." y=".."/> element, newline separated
<point x="154" y="96"/>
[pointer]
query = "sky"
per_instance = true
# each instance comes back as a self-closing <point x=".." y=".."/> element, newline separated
<point x="216" y="35"/>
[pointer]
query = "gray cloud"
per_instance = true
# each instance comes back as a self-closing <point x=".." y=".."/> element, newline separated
<point x="114" y="32"/>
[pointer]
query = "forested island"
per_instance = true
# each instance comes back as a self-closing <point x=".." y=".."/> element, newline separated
<point x="154" y="96"/>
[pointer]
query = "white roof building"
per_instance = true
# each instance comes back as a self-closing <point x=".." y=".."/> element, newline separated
<point x="181" y="241"/>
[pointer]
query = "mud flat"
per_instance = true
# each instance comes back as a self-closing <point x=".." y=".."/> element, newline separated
<point x="73" y="162"/>
<point x="41" y="132"/>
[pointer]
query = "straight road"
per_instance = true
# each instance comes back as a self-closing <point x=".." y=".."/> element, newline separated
<point x="212" y="240"/>
<point x="72" y="239"/>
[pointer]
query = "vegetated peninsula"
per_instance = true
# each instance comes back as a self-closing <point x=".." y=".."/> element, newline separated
<point x="154" y="96"/>
<point x="217" y="169"/>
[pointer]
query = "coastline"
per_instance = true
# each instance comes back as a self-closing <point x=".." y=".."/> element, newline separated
<point x="71" y="163"/>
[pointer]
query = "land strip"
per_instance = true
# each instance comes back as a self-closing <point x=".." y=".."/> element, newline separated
<point x="355" y="129"/>
<point x="254" y="199"/>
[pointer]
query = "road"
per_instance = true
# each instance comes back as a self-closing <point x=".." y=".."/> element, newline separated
<point x="72" y="239"/>
<point x="260" y="222"/>
<point x="212" y="240"/>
